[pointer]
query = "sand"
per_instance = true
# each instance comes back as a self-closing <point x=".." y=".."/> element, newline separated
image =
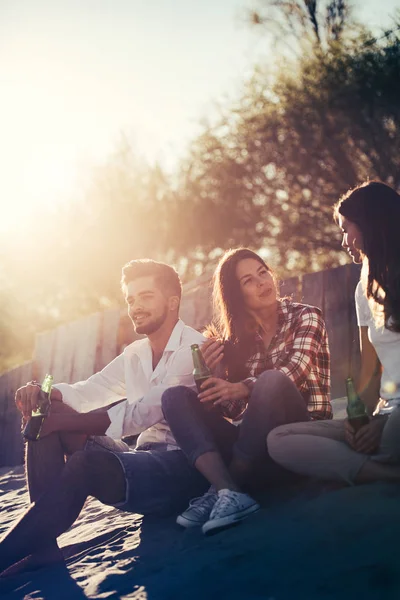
<point x="308" y="543"/>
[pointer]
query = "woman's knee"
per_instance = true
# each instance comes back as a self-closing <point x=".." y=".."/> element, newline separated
<point x="173" y="397"/>
<point x="272" y="380"/>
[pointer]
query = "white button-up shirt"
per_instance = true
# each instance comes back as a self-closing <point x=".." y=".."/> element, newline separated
<point x="131" y="376"/>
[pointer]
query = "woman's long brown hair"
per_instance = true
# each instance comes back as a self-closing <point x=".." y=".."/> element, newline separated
<point x="375" y="208"/>
<point x="231" y="323"/>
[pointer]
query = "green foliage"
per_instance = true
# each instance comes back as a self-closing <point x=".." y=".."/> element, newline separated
<point x="270" y="171"/>
<point x="266" y="176"/>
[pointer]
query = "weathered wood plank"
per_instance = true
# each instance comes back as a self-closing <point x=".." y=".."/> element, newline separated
<point x="107" y="340"/>
<point x="202" y="300"/>
<point x="66" y="339"/>
<point x="312" y="289"/>
<point x="11" y="438"/>
<point x="188" y="309"/>
<point x="196" y="305"/>
<point x="43" y="354"/>
<point x="3" y="420"/>
<point x="25" y="373"/>
<point x="16" y="443"/>
<point x="353" y="277"/>
<point x="85" y="351"/>
<point x="337" y="317"/>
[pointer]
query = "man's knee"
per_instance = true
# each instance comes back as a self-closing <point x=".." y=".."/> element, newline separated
<point x="100" y="474"/>
<point x="79" y="461"/>
<point x="173" y="397"/>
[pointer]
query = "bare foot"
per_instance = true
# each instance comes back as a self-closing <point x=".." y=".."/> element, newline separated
<point x="40" y="559"/>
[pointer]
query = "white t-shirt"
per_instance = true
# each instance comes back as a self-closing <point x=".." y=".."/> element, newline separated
<point x="387" y="346"/>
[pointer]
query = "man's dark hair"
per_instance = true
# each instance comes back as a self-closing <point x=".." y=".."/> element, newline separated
<point x="165" y="276"/>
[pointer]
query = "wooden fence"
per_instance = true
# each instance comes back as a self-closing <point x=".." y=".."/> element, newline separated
<point x="75" y="351"/>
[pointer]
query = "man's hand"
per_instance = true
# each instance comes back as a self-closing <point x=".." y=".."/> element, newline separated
<point x="368" y="437"/>
<point x="26" y="399"/>
<point x="217" y="390"/>
<point x="213" y="353"/>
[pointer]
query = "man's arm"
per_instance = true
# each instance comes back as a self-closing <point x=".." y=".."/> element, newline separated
<point x="101" y="389"/>
<point x="26" y="398"/>
<point x="95" y="423"/>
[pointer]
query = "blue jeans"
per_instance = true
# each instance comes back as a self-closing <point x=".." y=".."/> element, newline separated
<point x="274" y="401"/>
<point x="158" y="481"/>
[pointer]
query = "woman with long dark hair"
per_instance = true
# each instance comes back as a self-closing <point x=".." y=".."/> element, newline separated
<point x="270" y="359"/>
<point x="369" y="218"/>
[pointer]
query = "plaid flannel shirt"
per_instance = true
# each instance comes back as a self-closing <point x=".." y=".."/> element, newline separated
<point x="300" y="350"/>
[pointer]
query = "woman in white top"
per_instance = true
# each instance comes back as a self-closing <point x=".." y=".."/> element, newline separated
<point x="369" y="217"/>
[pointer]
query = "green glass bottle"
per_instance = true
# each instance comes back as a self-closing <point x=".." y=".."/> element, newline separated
<point x="356" y="412"/>
<point x="34" y="425"/>
<point x="200" y="371"/>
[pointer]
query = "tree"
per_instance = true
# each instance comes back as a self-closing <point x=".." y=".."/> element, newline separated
<point x="68" y="264"/>
<point x="305" y="24"/>
<point x="270" y="171"/>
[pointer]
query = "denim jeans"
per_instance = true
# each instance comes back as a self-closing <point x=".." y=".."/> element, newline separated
<point x="158" y="481"/>
<point x="274" y="401"/>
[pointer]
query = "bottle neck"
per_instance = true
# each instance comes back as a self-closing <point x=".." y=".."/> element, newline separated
<point x="47" y="384"/>
<point x="199" y="362"/>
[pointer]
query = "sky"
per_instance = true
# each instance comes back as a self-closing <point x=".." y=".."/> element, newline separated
<point x="76" y="74"/>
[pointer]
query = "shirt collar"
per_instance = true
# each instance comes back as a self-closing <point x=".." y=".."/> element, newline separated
<point x="174" y="341"/>
<point x="283" y="312"/>
<point x="142" y="347"/>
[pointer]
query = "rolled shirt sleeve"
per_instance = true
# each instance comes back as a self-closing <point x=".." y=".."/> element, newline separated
<point x="101" y="389"/>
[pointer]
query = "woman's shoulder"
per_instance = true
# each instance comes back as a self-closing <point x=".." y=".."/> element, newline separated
<point x="299" y="309"/>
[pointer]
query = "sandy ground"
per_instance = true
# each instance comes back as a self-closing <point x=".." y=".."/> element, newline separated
<point x="304" y="544"/>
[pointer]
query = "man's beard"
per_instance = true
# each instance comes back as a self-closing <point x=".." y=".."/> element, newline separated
<point x="152" y="326"/>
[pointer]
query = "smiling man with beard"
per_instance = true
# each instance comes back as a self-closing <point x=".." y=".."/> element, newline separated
<point x="156" y="477"/>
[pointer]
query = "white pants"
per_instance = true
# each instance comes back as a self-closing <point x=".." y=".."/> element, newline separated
<point x="318" y="448"/>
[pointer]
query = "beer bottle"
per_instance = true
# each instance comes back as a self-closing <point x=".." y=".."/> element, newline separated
<point x="200" y="372"/>
<point x="34" y="425"/>
<point x="356" y="412"/>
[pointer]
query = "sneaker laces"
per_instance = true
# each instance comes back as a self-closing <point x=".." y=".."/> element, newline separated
<point x="203" y="504"/>
<point x="226" y="499"/>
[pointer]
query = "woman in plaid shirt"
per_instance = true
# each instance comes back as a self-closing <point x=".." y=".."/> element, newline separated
<point x="274" y="357"/>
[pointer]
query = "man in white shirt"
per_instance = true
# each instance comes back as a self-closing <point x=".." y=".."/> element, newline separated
<point x="155" y="478"/>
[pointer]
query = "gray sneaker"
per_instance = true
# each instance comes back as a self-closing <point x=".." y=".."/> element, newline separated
<point x="199" y="510"/>
<point x="230" y="508"/>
